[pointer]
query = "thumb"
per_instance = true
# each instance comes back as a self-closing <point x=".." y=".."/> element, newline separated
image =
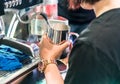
<point x="64" y="45"/>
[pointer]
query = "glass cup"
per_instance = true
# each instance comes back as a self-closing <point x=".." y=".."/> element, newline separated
<point x="37" y="26"/>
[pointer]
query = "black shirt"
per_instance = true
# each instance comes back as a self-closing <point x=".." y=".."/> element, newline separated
<point x="95" y="57"/>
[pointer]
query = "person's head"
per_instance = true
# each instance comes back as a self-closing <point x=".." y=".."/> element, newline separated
<point x="81" y="3"/>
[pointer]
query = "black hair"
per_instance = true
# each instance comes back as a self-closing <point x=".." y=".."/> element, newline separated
<point x="76" y="3"/>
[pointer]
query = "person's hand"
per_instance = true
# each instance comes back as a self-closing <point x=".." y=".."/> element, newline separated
<point x="49" y="50"/>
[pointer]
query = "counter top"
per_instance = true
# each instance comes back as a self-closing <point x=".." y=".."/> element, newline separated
<point x="36" y="77"/>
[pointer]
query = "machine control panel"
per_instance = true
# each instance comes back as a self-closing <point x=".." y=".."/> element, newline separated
<point x="17" y="4"/>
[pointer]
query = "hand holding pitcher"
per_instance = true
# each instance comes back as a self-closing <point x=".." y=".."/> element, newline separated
<point x="60" y="32"/>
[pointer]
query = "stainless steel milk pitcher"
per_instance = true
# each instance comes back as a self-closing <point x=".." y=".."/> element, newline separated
<point x="58" y="32"/>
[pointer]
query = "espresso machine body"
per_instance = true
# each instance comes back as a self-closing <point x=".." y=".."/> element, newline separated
<point x="9" y="76"/>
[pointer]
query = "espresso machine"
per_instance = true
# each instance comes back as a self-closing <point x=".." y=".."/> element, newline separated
<point x="15" y="6"/>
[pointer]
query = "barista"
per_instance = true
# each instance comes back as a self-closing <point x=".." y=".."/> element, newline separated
<point x="78" y="18"/>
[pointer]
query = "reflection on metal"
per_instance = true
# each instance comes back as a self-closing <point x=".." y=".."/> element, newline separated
<point x="2" y="26"/>
<point x="20" y="22"/>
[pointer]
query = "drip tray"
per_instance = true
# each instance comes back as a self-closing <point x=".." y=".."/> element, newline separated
<point x="9" y="76"/>
<point x="6" y="77"/>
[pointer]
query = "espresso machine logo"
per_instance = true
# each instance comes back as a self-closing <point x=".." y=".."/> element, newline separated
<point x="12" y="3"/>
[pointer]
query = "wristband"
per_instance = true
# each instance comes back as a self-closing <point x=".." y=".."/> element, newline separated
<point x="43" y="64"/>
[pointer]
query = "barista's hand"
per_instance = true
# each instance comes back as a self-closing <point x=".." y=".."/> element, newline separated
<point x="50" y="51"/>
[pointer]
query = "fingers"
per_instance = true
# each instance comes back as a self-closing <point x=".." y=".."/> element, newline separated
<point x="44" y="38"/>
<point x="64" y="45"/>
<point x="61" y="42"/>
<point x="48" y="42"/>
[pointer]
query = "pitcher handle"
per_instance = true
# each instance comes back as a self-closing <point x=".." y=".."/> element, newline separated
<point x="73" y="34"/>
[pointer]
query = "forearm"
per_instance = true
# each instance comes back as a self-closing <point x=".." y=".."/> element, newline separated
<point x="53" y="75"/>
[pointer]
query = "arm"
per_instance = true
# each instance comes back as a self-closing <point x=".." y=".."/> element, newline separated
<point x="52" y="75"/>
<point x="50" y="51"/>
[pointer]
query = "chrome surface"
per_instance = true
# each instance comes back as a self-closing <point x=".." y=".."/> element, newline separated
<point x="2" y="26"/>
<point x="58" y="32"/>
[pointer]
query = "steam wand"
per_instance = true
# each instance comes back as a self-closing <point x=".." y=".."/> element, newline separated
<point x="50" y="35"/>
